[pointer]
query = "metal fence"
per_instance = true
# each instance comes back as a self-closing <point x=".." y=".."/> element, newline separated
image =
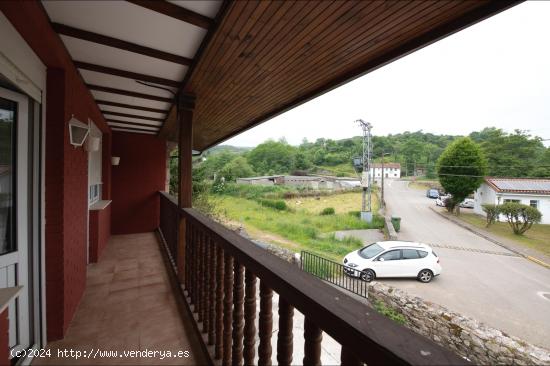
<point x="334" y="273"/>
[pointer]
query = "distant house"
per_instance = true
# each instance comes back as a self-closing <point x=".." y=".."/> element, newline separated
<point x="391" y="170"/>
<point x="303" y="181"/>
<point x="533" y="192"/>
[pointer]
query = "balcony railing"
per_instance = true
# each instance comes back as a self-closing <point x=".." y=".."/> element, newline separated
<point x="221" y="271"/>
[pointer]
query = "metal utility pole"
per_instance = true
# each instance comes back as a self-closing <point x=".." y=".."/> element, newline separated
<point x="366" y="209"/>
<point x="382" y="188"/>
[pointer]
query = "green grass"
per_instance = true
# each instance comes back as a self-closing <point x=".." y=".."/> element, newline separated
<point x="307" y="229"/>
<point x="342" y="203"/>
<point x="385" y="310"/>
<point x="538" y="237"/>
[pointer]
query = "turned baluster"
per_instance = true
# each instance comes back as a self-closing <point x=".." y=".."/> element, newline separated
<point x="265" y="325"/>
<point x="196" y="256"/>
<point x="206" y="283"/>
<point x="249" y="318"/>
<point x="211" y="291"/>
<point x="192" y="269"/>
<point x="200" y="273"/>
<point x="218" y="349"/>
<point x="227" y="307"/>
<point x="284" y="337"/>
<point x="238" y="314"/>
<point x="313" y="335"/>
<point x="348" y="358"/>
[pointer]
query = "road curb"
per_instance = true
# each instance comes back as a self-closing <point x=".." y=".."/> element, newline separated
<point x="469" y="228"/>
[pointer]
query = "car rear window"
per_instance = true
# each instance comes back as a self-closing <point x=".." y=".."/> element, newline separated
<point x="370" y="251"/>
<point x="411" y="254"/>
<point x="422" y="253"/>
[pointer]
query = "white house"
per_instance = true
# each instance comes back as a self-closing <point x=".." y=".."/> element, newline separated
<point x="533" y="192"/>
<point x="391" y="170"/>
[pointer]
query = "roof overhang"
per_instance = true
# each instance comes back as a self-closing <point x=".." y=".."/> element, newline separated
<point x="268" y="57"/>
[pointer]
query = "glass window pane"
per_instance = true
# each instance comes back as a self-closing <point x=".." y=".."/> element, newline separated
<point x="410" y="254"/>
<point x="392" y="255"/>
<point x="8" y="111"/>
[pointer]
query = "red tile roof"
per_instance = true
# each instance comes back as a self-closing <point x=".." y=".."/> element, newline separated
<point x="519" y="185"/>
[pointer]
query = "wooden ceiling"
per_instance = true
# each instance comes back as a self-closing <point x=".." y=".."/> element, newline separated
<point x="133" y="55"/>
<point x="268" y="56"/>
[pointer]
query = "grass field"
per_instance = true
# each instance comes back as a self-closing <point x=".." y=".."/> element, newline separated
<point x="538" y="237"/>
<point x="342" y="203"/>
<point x="301" y="227"/>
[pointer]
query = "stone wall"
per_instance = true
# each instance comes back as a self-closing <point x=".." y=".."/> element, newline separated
<point x="465" y="336"/>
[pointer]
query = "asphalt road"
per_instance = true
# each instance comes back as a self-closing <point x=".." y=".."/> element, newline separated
<point x="502" y="291"/>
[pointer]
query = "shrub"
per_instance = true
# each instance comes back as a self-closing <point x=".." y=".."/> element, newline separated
<point x="520" y="217"/>
<point x="389" y="312"/>
<point x="355" y="213"/>
<point x="327" y="211"/>
<point x="279" y="205"/>
<point x="492" y="212"/>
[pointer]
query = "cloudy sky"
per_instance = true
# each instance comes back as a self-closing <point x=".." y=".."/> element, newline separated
<point x="495" y="73"/>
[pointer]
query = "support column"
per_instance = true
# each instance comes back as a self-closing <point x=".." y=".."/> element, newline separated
<point x="185" y="105"/>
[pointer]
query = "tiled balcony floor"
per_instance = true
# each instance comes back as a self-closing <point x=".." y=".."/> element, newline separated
<point x="128" y="305"/>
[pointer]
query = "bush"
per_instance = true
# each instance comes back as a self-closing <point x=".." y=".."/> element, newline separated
<point x="492" y="212"/>
<point x="355" y="213"/>
<point x="327" y="211"/>
<point x="385" y="310"/>
<point x="520" y="217"/>
<point x="279" y="205"/>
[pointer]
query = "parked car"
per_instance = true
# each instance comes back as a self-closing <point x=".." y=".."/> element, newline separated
<point x="393" y="259"/>
<point x="441" y="200"/>
<point x="467" y="203"/>
<point x="432" y="193"/>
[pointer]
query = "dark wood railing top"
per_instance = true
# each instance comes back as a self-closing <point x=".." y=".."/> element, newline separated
<point x="373" y="337"/>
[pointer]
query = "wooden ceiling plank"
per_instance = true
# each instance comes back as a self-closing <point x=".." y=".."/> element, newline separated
<point x="313" y="72"/>
<point x="236" y="19"/>
<point x="295" y="41"/>
<point x="313" y="68"/>
<point x="126" y="74"/>
<point x="174" y="11"/>
<point x="241" y="51"/>
<point x="119" y="114"/>
<point x="312" y="17"/>
<point x="130" y="106"/>
<point x="118" y="43"/>
<point x="127" y="130"/>
<point x="128" y="93"/>
<point x="290" y="92"/>
<point x="132" y="123"/>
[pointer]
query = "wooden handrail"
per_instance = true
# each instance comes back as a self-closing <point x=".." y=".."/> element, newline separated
<point x="360" y="330"/>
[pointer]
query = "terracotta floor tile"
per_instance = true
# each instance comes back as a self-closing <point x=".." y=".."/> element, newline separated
<point x="128" y="305"/>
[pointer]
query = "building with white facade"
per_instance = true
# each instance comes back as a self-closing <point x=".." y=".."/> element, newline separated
<point x="391" y="170"/>
<point x="533" y="192"/>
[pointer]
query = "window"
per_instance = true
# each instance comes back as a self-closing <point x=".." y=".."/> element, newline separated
<point x="513" y="201"/>
<point x="371" y="251"/>
<point x="534" y="203"/>
<point x="8" y="116"/>
<point x="392" y="255"/>
<point x="410" y="254"/>
<point x="422" y="254"/>
<point x="94" y="167"/>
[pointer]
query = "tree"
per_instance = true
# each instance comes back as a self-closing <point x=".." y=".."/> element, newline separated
<point x="520" y="217"/>
<point x="492" y="212"/>
<point x="272" y="157"/>
<point x="236" y="168"/>
<point x="301" y="161"/>
<point x="461" y="168"/>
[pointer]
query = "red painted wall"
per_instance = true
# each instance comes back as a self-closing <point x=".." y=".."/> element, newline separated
<point x="4" y="338"/>
<point x="66" y="171"/>
<point x="136" y="181"/>
<point x="100" y="231"/>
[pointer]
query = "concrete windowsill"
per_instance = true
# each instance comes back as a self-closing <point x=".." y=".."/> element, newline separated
<point x="7" y="294"/>
<point x="100" y="205"/>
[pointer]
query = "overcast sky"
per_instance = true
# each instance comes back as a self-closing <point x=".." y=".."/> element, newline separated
<point x="495" y="73"/>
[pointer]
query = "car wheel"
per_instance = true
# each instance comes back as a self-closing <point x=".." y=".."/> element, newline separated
<point x="367" y="275"/>
<point x="425" y="276"/>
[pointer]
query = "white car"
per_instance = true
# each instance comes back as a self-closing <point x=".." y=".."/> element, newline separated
<point x="467" y="203"/>
<point x="393" y="259"/>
